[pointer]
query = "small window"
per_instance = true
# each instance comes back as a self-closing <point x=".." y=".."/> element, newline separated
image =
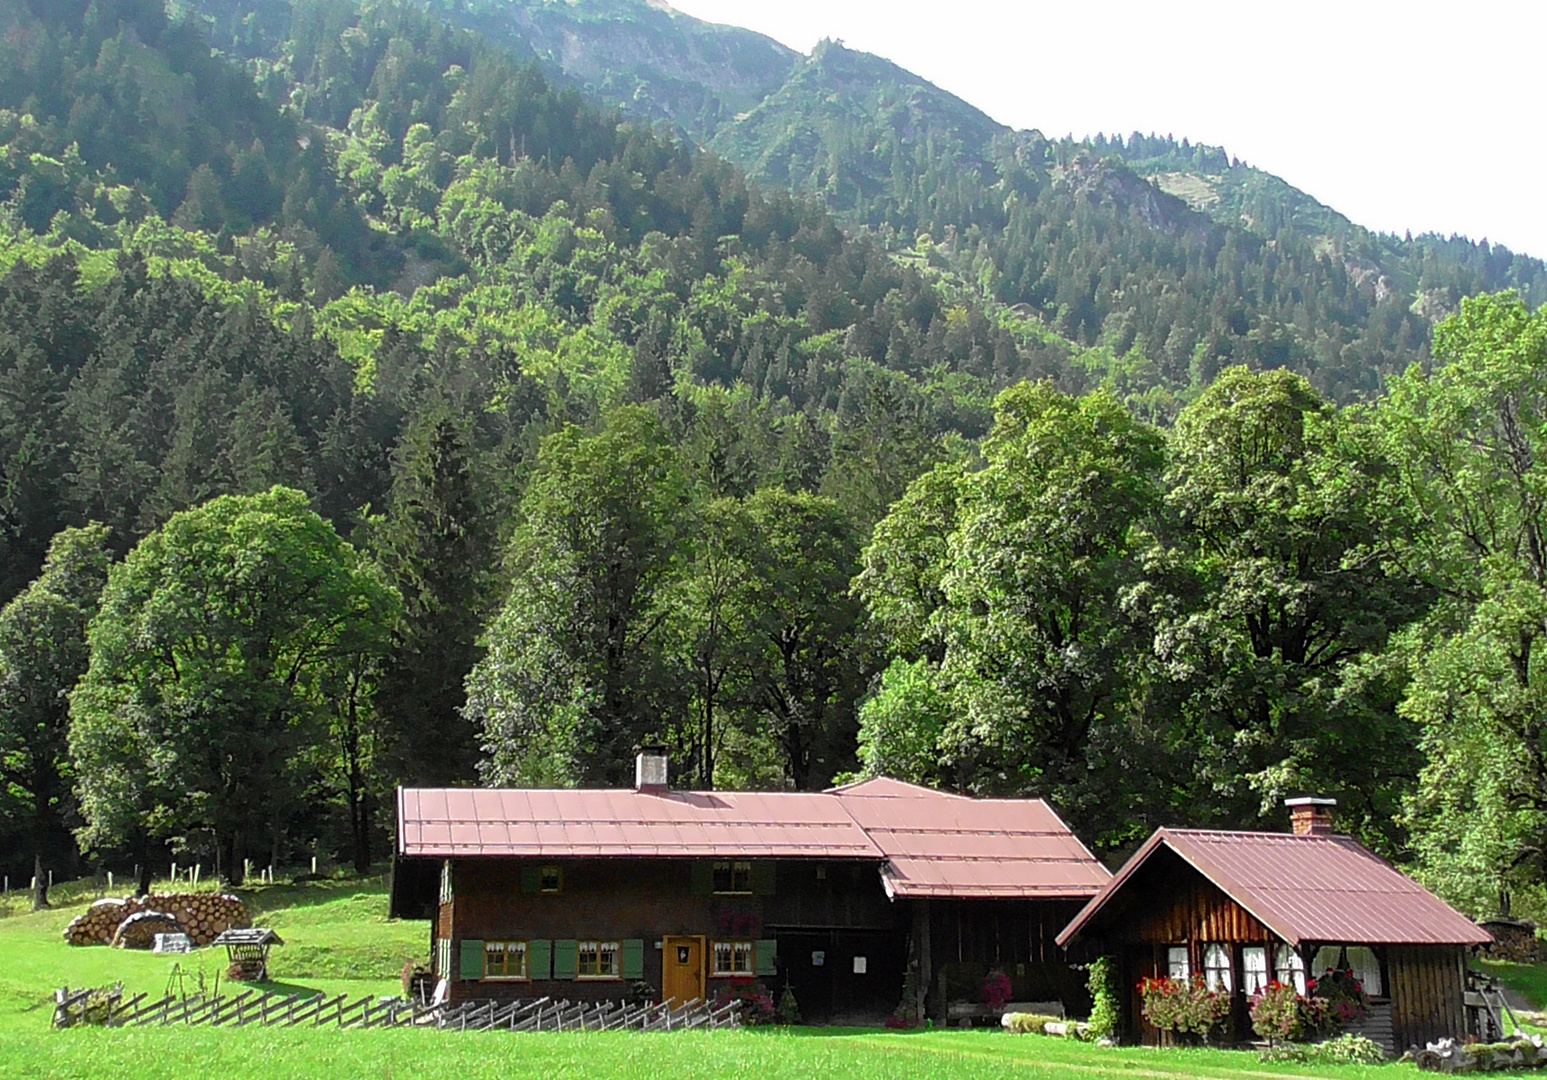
<point x="1216" y="968"/>
<point x="1366" y="969"/>
<point x="1289" y="968"/>
<point x="598" y="960"/>
<point x="733" y="958"/>
<point x="1177" y="966"/>
<point x="1254" y="969"/>
<point x="733" y="877"/>
<point x="504" y="960"/>
<point x="550" y="880"/>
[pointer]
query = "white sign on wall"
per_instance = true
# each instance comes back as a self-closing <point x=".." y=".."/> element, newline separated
<point x="859" y="965"/>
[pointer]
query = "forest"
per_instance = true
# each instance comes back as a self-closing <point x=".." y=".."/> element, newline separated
<point x="376" y="411"/>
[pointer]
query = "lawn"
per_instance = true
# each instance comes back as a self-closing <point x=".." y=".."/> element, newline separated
<point x="338" y="940"/>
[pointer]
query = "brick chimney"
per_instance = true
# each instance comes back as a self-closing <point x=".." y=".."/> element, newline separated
<point x="1311" y="817"/>
<point x="650" y="769"/>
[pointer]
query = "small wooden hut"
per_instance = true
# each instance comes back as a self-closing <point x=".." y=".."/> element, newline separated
<point x="1245" y="908"/>
<point x="248" y="951"/>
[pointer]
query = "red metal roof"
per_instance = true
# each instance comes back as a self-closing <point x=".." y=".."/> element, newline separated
<point x="552" y="823"/>
<point x="941" y="845"/>
<point x="1305" y="889"/>
<point x="925" y="842"/>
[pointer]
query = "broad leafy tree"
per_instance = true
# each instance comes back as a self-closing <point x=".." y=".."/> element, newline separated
<point x="1273" y="602"/>
<point x="1468" y="443"/>
<point x="211" y="657"/>
<point x="43" y="654"/>
<point x="808" y="670"/>
<point x="576" y="671"/>
<point x="1038" y="648"/>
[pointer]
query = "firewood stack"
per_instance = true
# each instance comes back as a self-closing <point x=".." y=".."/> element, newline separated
<point x="139" y="930"/>
<point x="202" y="916"/>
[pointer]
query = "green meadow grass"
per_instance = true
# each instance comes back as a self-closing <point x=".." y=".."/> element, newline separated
<point x="338" y="941"/>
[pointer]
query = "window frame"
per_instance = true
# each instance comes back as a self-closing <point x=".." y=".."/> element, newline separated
<point x="600" y="948"/>
<point x="1262" y="977"/>
<point x="731" y="866"/>
<point x="1215" y="973"/>
<point x="738" y="946"/>
<point x="1294" y="974"/>
<point x="542" y="880"/>
<point x="503" y="947"/>
<point x="1173" y="962"/>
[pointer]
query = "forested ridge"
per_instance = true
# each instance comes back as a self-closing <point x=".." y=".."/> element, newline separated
<point x="398" y="416"/>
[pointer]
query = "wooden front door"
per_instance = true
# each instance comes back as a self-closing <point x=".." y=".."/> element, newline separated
<point x="682" y="967"/>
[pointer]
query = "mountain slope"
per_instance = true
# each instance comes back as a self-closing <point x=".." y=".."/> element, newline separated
<point x="863" y="133"/>
<point x="645" y="58"/>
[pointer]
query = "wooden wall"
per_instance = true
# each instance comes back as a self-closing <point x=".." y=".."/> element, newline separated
<point x="648" y="899"/>
<point x="1168" y="902"/>
<point x="1428" y="992"/>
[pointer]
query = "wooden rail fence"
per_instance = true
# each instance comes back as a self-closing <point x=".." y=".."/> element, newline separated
<point x="109" y="1008"/>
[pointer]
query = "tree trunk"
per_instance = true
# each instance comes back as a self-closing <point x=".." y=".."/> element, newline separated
<point x="360" y="823"/>
<point x="142" y="852"/>
<point x="39" y="880"/>
<point x="230" y="850"/>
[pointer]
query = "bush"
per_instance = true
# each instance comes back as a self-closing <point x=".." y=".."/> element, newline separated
<point x="1027" y="1023"/>
<point x="757" y="1004"/>
<point x="996" y="990"/>
<point x="1183" y="1006"/>
<point x="1105" y="1009"/>
<point x="1343" y="1050"/>
<point x="1350" y="1050"/>
<point x="1280" y="1014"/>
<point x="1344" y="995"/>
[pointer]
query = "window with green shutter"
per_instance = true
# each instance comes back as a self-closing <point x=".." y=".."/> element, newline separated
<point x="767" y="956"/>
<point x="540" y="959"/>
<point x="472" y="959"/>
<point x="531" y="879"/>
<point x="763" y="872"/>
<point x="634" y="959"/>
<point x="566" y="959"/>
<point x="703" y="877"/>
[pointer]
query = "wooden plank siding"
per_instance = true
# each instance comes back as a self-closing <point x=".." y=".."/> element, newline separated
<point x="1428" y="990"/>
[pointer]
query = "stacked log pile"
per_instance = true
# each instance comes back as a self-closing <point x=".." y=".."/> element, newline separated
<point x="139" y="930"/>
<point x="202" y="916"/>
<point x="1513" y="940"/>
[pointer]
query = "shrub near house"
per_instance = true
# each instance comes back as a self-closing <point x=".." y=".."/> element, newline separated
<point x="1185" y="1007"/>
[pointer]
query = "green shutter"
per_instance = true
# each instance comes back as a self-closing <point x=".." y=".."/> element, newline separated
<point x="472" y="959"/>
<point x="531" y="879"/>
<point x="703" y="877"/>
<point x="634" y="959"/>
<point x="566" y="959"/>
<point x="763" y="872"/>
<point x="539" y="959"/>
<point x="767" y="956"/>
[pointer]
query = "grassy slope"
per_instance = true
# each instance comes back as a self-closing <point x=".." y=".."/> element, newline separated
<point x="338" y="941"/>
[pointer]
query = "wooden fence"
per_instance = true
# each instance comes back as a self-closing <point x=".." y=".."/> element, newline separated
<point x="109" y="1008"/>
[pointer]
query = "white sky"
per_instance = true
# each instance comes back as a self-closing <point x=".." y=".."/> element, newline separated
<point x="1416" y="115"/>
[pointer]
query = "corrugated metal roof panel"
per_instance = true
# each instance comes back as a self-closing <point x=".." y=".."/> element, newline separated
<point x="555" y="823"/>
<point x="1322" y="888"/>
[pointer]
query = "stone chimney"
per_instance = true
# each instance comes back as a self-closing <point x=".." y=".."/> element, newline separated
<point x="650" y="769"/>
<point x="1311" y="817"/>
